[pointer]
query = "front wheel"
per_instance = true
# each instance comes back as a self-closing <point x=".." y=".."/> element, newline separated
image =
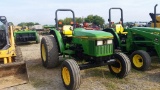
<point x="122" y="65"/>
<point x="70" y="74"/>
<point x="140" y="60"/>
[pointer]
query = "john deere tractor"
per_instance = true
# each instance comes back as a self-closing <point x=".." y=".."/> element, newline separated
<point x="139" y="42"/>
<point x="94" y="48"/>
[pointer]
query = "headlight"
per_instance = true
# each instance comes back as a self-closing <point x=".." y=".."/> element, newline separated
<point x="109" y="41"/>
<point x="99" y="42"/>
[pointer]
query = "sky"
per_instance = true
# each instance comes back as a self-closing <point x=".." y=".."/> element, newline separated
<point x="43" y="11"/>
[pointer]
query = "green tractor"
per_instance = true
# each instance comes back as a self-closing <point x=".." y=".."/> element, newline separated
<point x="93" y="48"/>
<point x="139" y="42"/>
<point x="26" y="35"/>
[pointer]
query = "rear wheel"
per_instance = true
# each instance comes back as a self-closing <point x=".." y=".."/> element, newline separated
<point x="49" y="52"/>
<point x="121" y="67"/>
<point x="70" y="73"/>
<point x="140" y="60"/>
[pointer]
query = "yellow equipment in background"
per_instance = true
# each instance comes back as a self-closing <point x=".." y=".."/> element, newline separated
<point x="155" y="18"/>
<point x="12" y="67"/>
<point x="157" y="22"/>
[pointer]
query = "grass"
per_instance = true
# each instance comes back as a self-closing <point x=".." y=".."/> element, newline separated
<point x="135" y="79"/>
<point x="110" y="85"/>
<point x="103" y="75"/>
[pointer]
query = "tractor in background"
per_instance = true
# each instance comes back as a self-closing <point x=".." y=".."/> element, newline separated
<point x="26" y="35"/>
<point x="94" y="48"/>
<point x="139" y="42"/>
<point x="12" y="67"/>
<point x="47" y="30"/>
<point x="155" y="18"/>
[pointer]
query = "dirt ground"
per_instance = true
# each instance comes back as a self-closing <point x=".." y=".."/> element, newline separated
<point x="92" y="79"/>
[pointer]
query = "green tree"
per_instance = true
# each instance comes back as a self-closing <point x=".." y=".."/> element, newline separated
<point x="67" y="21"/>
<point x="79" y="20"/>
<point x="11" y="23"/>
<point x="95" y="19"/>
<point x="22" y="24"/>
<point x="30" y="24"/>
<point x="36" y="23"/>
<point x="89" y="19"/>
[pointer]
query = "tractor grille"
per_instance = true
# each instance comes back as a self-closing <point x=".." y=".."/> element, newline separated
<point x="102" y="50"/>
<point x="24" y="37"/>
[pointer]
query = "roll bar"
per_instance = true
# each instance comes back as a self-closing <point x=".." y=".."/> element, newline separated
<point x="56" y="17"/>
<point x="155" y="15"/>
<point x="121" y="19"/>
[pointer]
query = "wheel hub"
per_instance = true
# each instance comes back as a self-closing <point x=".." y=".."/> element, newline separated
<point x="137" y="60"/>
<point x="66" y="75"/>
<point x="43" y="52"/>
<point x="117" y="67"/>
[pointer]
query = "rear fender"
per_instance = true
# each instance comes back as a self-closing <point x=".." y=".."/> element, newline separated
<point x="59" y="39"/>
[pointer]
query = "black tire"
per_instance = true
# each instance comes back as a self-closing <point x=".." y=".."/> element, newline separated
<point x="49" y="52"/>
<point x="140" y="60"/>
<point x="121" y="67"/>
<point x="71" y="69"/>
<point x="19" y="56"/>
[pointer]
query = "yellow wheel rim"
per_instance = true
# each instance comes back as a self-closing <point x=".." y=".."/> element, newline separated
<point x="66" y="75"/>
<point x="137" y="60"/>
<point x="43" y="52"/>
<point x="117" y="69"/>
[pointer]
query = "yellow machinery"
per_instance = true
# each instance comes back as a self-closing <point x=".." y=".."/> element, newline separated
<point x="155" y="18"/>
<point x="157" y="22"/>
<point x="12" y="67"/>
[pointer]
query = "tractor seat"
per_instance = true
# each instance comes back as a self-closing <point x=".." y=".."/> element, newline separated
<point x="120" y="29"/>
<point x="67" y="30"/>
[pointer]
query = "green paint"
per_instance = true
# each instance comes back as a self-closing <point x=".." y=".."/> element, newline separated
<point x="60" y="40"/>
<point x="88" y="40"/>
<point x="142" y="38"/>
<point x="27" y="34"/>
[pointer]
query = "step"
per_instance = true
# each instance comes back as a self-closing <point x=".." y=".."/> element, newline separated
<point x="69" y="52"/>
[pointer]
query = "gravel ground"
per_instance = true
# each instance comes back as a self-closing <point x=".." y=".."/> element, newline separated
<point x="39" y="77"/>
<point x="92" y="79"/>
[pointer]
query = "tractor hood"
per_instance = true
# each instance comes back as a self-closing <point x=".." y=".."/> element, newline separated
<point x="82" y="33"/>
<point x="147" y="29"/>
